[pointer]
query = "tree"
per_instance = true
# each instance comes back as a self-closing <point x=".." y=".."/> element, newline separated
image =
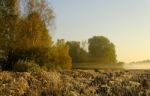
<point x="8" y="20"/>
<point x="25" y="37"/>
<point x="33" y="32"/>
<point x="102" y="50"/>
<point x="77" y="53"/>
<point x="42" y="7"/>
<point x="60" y="55"/>
<point x="32" y="38"/>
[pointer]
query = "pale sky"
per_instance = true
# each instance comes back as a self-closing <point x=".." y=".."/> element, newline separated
<point x="125" y="22"/>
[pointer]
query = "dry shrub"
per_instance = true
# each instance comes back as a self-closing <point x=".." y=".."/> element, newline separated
<point x="71" y="83"/>
<point x="45" y="84"/>
<point x="53" y="83"/>
<point x="10" y="85"/>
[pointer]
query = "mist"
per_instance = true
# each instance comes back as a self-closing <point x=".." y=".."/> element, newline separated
<point x="137" y="66"/>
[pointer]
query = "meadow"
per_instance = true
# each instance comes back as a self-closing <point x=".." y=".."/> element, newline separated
<point x="76" y="83"/>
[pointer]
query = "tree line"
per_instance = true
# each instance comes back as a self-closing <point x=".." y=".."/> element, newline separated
<point x="100" y="50"/>
<point x="26" y="39"/>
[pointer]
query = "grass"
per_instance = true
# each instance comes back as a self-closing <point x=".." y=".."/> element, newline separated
<point x="75" y="83"/>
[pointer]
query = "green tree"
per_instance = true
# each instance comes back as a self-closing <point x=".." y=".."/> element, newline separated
<point x="77" y="53"/>
<point x="102" y="50"/>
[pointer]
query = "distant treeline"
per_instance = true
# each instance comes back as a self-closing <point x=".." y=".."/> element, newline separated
<point x="142" y="62"/>
<point x="100" y="50"/>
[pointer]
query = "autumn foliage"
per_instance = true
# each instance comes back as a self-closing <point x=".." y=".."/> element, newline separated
<point x="26" y="36"/>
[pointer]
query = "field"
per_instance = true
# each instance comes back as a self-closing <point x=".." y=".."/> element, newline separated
<point x="96" y="66"/>
<point x="76" y="83"/>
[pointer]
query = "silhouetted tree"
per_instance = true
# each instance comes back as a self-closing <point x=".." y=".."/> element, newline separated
<point x="101" y="50"/>
<point x="77" y="53"/>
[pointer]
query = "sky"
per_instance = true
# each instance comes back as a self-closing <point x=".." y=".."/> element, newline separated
<point x="125" y="22"/>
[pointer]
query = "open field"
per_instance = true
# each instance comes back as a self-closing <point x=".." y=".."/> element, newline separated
<point x="96" y="66"/>
<point x="76" y="83"/>
<point x="85" y="66"/>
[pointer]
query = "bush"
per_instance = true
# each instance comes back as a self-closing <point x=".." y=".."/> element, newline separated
<point x="40" y="55"/>
<point x="56" y="57"/>
<point x="50" y="67"/>
<point x="26" y="66"/>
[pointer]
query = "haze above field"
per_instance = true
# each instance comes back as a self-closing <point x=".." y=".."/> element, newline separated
<point x="145" y="64"/>
<point x="125" y="22"/>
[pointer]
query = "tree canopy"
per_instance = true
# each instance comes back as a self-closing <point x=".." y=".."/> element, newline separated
<point x="102" y="50"/>
<point x="77" y="53"/>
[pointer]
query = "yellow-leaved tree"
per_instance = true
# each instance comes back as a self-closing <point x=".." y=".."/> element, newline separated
<point x="60" y="55"/>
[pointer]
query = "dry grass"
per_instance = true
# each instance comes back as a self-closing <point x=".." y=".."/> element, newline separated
<point x="74" y="83"/>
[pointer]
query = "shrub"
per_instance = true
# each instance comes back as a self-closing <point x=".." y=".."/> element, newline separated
<point x="40" y="55"/>
<point x="26" y="66"/>
<point x="49" y="67"/>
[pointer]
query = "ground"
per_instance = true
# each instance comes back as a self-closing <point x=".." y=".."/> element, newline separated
<point x="76" y="83"/>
